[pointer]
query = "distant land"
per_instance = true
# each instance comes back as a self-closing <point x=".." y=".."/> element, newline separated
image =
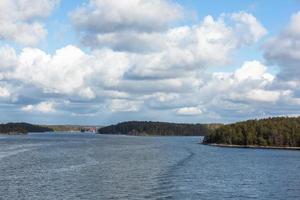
<point x="279" y="132"/>
<point x="158" y="128"/>
<point x="64" y="128"/>
<point x="22" y="128"/>
<point x="72" y="128"/>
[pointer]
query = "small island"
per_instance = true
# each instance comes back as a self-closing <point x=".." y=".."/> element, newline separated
<point x="22" y="128"/>
<point x="145" y="128"/>
<point x="275" y="133"/>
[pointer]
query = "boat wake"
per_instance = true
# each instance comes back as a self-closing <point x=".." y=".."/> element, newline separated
<point x="167" y="186"/>
<point x="16" y="149"/>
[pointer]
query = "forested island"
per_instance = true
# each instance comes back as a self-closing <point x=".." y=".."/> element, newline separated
<point x="22" y="128"/>
<point x="271" y="132"/>
<point x="157" y="128"/>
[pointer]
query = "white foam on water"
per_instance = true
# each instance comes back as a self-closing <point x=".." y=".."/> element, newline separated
<point x="10" y="150"/>
<point x="5" y="154"/>
<point x="89" y="162"/>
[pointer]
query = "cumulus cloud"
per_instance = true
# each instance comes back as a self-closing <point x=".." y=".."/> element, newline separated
<point x="150" y="27"/>
<point x="178" y="67"/>
<point x="250" y="91"/>
<point x="245" y="24"/>
<point x="253" y="70"/>
<point x="107" y="16"/>
<point x="62" y="72"/>
<point x="77" y="73"/>
<point x="245" y="93"/>
<point x="284" y="50"/>
<point x="134" y="25"/>
<point x="8" y="58"/>
<point x="188" y="49"/>
<point x="69" y="71"/>
<point x="250" y="82"/>
<point x="43" y="107"/>
<point x="99" y="78"/>
<point x="19" y="20"/>
<point x="235" y="85"/>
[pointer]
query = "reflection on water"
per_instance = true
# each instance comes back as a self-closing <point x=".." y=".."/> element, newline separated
<point x="86" y="166"/>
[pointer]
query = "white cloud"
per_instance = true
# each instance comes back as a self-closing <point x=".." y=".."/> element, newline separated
<point x="64" y="72"/>
<point x="194" y="48"/>
<point x="43" y="107"/>
<point x="263" y="95"/>
<point x="69" y="71"/>
<point x="189" y="111"/>
<point x="106" y="16"/>
<point x="4" y="92"/>
<point x="253" y="70"/>
<point x="108" y="66"/>
<point x="245" y="24"/>
<point x="8" y="58"/>
<point x="284" y="50"/>
<point x="149" y="28"/>
<point x="19" y="20"/>
<point x="250" y="82"/>
<point x="171" y="77"/>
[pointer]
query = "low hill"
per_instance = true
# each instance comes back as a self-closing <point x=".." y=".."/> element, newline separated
<point x="279" y="131"/>
<point x="22" y="128"/>
<point x="72" y="128"/>
<point x="156" y="128"/>
<point x="64" y="128"/>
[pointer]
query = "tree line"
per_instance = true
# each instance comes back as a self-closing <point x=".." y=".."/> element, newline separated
<point x="155" y="128"/>
<point x="22" y="128"/>
<point x="277" y="131"/>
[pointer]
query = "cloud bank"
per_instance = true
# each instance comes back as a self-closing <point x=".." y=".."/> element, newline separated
<point x="147" y="64"/>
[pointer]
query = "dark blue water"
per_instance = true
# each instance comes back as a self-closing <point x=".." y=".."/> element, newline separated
<point x="86" y="166"/>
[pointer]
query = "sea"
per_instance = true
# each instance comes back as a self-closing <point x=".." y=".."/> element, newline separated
<point x="68" y="166"/>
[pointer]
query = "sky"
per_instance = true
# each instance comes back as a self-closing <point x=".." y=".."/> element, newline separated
<point x="99" y="62"/>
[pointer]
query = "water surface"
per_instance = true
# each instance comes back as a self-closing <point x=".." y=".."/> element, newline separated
<point x="88" y="166"/>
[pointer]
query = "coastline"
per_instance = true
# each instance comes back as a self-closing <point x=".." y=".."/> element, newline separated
<point x="253" y="146"/>
<point x="14" y="133"/>
<point x="149" y="135"/>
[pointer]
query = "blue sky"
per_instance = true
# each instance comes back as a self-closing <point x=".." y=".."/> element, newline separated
<point x="106" y="61"/>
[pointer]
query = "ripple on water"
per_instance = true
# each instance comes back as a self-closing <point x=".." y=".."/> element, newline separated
<point x="85" y="166"/>
<point x="10" y="150"/>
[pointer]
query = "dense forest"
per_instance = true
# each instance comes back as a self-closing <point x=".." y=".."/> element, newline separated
<point x="155" y="128"/>
<point x="279" y="131"/>
<point x="21" y="128"/>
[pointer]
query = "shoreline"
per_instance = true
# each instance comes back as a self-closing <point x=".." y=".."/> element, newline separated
<point x="14" y="133"/>
<point x="253" y="147"/>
